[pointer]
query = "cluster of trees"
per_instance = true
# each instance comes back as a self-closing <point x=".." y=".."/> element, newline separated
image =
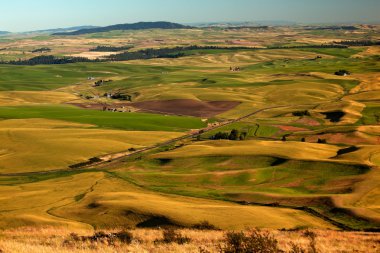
<point x="118" y="95"/>
<point x="110" y="48"/>
<point x="234" y="135"/>
<point x="364" y="43"/>
<point x="47" y="60"/>
<point x="342" y="72"/>
<point x="41" y="50"/>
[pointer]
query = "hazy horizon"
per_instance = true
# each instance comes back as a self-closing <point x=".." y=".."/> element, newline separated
<point x="24" y="15"/>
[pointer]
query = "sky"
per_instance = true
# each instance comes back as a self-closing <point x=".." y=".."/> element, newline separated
<point x="27" y="15"/>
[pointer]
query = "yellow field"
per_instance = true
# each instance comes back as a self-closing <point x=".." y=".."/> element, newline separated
<point x="13" y="98"/>
<point x="291" y="150"/>
<point x="40" y="144"/>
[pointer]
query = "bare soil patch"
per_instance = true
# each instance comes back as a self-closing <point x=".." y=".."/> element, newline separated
<point x="187" y="107"/>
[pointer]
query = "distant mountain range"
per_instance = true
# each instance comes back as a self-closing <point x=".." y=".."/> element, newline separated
<point x="4" y="32"/>
<point x="134" y="26"/>
<point x="62" y="30"/>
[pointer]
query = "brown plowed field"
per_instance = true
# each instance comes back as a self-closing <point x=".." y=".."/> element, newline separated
<point x="186" y="107"/>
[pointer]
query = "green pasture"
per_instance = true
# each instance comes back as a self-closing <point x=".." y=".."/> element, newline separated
<point x="114" y="120"/>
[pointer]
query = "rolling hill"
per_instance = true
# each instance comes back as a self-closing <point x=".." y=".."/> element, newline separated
<point x="134" y="26"/>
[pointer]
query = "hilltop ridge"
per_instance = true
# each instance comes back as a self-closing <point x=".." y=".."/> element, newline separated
<point x="133" y="26"/>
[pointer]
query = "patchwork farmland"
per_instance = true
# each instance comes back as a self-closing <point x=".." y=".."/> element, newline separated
<point x="269" y="132"/>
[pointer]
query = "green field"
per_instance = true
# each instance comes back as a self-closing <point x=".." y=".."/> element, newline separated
<point x="109" y="120"/>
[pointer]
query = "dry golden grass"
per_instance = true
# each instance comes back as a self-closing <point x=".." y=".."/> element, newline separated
<point x="52" y="240"/>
